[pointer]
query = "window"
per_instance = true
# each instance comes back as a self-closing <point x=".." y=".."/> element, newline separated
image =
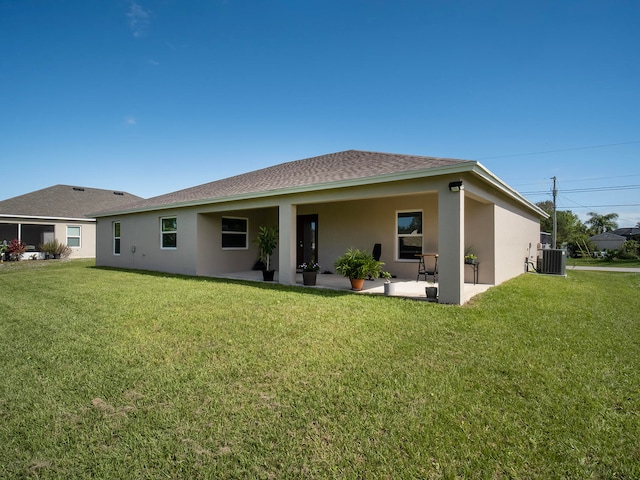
<point x="116" y="238"/>
<point x="409" y="232"/>
<point x="169" y="227"/>
<point x="234" y="233"/>
<point x="73" y="236"/>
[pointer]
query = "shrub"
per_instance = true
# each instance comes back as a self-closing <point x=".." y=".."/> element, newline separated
<point x="56" y="249"/>
<point x="630" y="250"/>
<point x="16" y="248"/>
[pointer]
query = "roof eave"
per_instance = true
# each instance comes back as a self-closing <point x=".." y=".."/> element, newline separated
<point x="462" y="167"/>
<point x="430" y="172"/>
<point x="489" y="177"/>
<point x="44" y="217"/>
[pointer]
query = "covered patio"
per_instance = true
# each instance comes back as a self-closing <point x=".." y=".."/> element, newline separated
<point x="404" y="287"/>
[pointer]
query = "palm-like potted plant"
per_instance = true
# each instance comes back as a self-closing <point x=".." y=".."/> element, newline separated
<point x="357" y="265"/>
<point x="267" y="242"/>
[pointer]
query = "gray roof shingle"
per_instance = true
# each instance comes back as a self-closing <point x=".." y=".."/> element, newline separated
<point x="316" y="171"/>
<point x="65" y="201"/>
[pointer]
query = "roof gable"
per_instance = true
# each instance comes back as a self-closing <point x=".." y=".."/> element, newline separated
<point x="64" y="201"/>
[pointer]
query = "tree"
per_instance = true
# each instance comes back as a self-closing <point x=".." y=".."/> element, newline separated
<point x="569" y="227"/>
<point x="602" y="223"/>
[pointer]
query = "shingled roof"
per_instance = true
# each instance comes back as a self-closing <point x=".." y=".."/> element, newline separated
<point x="64" y="201"/>
<point x="350" y="165"/>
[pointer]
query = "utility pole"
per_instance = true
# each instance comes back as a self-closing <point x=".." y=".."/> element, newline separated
<point x="555" y="220"/>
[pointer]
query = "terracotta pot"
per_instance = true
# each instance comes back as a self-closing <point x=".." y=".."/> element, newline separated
<point x="309" y="278"/>
<point x="357" y="283"/>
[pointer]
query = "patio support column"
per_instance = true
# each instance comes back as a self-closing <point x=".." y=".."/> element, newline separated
<point x="287" y="244"/>
<point x="450" y="245"/>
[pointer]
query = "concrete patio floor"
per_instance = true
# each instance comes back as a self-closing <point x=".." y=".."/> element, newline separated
<point x="405" y="288"/>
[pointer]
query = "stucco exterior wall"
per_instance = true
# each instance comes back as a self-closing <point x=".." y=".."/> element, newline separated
<point x="363" y="223"/>
<point x="479" y="238"/>
<point x="516" y="239"/>
<point x="213" y="259"/>
<point x="140" y="246"/>
<point x="87" y="248"/>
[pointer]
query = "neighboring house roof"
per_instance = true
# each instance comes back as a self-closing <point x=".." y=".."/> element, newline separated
<point x="627" y="232"/>
<point x="606" y="236"/>
<point x="342" y="169"/>
<point x="64" y="201"/>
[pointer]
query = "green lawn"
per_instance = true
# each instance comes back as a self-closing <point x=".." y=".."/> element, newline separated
<point x="113" y="374"/>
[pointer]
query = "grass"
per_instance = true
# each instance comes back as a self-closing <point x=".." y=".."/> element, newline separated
<point x="116" y="374"/>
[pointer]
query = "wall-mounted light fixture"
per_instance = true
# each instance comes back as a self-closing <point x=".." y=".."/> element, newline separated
<point x="456" y="186"/>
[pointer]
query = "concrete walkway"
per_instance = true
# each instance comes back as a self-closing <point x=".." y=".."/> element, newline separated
<point x="605" y="269"/>
<point x="405" y="288"/>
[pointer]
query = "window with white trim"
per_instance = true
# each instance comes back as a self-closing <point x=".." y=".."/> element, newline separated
<point x="116" y="238"/>
<point x="409" y="234"/>
<point x="235" y="233"/>
<point x="73" y="236"/>
<point x="169" y="232"/>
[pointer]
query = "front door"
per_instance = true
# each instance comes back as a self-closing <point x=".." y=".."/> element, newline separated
<point x="307" y="238"/>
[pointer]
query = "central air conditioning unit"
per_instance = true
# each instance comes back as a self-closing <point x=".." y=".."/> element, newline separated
<point x="552" y="261"/>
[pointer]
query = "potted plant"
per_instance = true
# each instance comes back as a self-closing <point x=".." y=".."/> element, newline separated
<point x="309" y="272"/>
<point x="389" y="288"/>
<point x="3" y="248"/>
<point x="55" y="249"/>
<point x="267" y="242"/>
<point x="470" y="258"/>
<point x="432" y="292"/>
<point x="356" y="265"/>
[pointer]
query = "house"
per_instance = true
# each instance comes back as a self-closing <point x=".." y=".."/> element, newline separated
<point x="607" y="241"/>
<point x="629" y="233"/>
<point x="58" y="212"/>
<point x="323" y="205"/>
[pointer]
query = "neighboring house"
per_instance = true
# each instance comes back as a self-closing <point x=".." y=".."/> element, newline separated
<point x="326" y="204"/>
<point x="59" y="213"/>
<point x="632" y="233"/>
<point x="607" y="241"/>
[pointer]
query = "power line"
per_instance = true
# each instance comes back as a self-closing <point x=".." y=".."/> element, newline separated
<point x="584" y="190"/>
<point x="592" y="179"/>
<point x="560" y="150"/>
<point x="602" y="206"/>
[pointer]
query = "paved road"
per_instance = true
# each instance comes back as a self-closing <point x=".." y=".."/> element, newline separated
<point x="605" y="269"/>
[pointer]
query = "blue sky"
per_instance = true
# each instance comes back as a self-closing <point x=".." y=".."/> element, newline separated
<point x="155" y="96"/>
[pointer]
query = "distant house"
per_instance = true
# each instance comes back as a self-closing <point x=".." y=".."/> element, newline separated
<point x="59" y="213"/>
<point x="607" y="241"/>
<point x="324" y="205"/>
<point x="632" y="233"/>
